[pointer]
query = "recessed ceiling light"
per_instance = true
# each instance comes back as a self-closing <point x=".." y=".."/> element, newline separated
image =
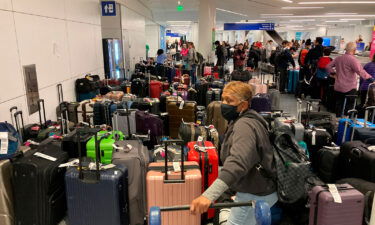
<point x="324" y="16"/>
<point x="355" y="19"/>
<point x="336" y="21"/>
<point x="228" y="11"/>
<point x="303" y="20"/>
<point x="289" y="1"/>
<point x="321" y="25"/>
<point x="302" y="7"/>
<point x="285" y="14"/>
<point x="341" y="13"/>
<point x="338" y="2"/>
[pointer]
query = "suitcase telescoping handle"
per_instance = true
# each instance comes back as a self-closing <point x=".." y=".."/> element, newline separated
<point x="262" y="211"/>
<point x="346" y="101"/>
<point x="368" y="109"/>
<point x="60" y="93"/>
<point x="166" y="144"/>
<point x="11" y="113"/>
<point x="20" y="130"/>
<point x="40" y="107"/>
<point x="351" y="114"/>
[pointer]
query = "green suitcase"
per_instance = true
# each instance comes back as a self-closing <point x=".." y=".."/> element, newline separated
<point x="106" y="148"/>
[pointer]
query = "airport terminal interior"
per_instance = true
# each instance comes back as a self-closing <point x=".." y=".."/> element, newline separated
<point x="187" y="112"/>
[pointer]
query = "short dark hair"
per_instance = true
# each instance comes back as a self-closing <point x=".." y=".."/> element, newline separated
<point x="285" y="42"/>
<point x="240" y="44"/>
<point x="319" y="40"/>
<point x="293" y="49"/>
<point x="217" y="42"/>
<point x="160" y="52"/>
<point x="327" y="52"/>
<point x="308" y="42"/>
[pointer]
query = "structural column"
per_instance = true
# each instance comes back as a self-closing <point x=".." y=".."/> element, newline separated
<point x="206" y="34"/>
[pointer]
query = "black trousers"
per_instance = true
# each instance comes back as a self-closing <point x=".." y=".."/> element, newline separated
<point x="340" y="99"/>
<point x="283" y="78"/>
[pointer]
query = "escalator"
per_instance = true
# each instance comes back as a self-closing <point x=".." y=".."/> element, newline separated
<point x="275" y="36"/>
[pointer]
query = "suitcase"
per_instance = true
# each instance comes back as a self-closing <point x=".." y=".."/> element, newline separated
<point x="178" y="112"/>
<point x="147" y="123"/>
<point x="261" y="103"/>
<point x="115" y="95"/>
<point x="259" y="88"/>
<point x="105" y="146"/>
<point x="156" y="88"/>
<point x="10" y="140"/>
<point x="206" y="155"/>
<point x="215" y="118"/>
<point x="315" y="140"/>
<point x="192" y="94"/>
<point x="324" y="210"/>
<point x="6" y="194"/>
<point x="323" y="120"/>
<point x="327" y="163"/>
<point x="367" y="131"/>
<point x="275" y="99"/>
<point x="97" y="197"/>
<point x="292" y="123"/>
<point x="124" y="121"/>
<point x="209" y="97"/>
<point x="139" y="88"/>
<point x="38" y="186"/>
<point x="217" y="94"/>
<point x="167" y="187"/>
<point x="135" y="156"/>
<point x="293" y="78"/>
<point x="357" y="161"/>
<point x="70" y="143"/>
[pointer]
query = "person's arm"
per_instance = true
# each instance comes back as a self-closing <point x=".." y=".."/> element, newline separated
<point x="358" y="69"/>
<point x="299" y="58"/>
<point x="330" y="67"/>
<point x="291" y="60"/>
<point x="243" y="157"/>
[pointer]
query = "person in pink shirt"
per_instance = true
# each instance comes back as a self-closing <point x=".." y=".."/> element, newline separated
<point x="347" y="67"/>
<point x="184" y="52"/>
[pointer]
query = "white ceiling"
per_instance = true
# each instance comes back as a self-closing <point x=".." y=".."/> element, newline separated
<point x="165" y="10"/>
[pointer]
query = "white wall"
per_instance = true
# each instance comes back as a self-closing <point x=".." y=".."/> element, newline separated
<point x="63" y="39"/>
<point x="153" y="38"/>
<point x="351" y="33"/>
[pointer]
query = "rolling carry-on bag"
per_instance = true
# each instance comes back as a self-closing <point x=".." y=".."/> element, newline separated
<point x="180" y="111"/>
<point x="124" y="121"/>
<point x="169" y="185"/>
<point x="357" y="160"/>
<point x="38" y="186"/>
<point x="105" y="145"/>
<point x="70" y="143"/>
<point x="6" y="194"/>
<point x="215" y="118"/>
<point x="98" y="196"/>
<point x="156" y="88"/>
<point x="340" y="204"/>
<point x="275" y="99"/>
<point x="206" y="155"/>
<point x="327" y="163"/>
<point x="292" y="123"/>
<point x="210" y="96"/>
<point x="293" y="78"/>
<point x="261" y="103"/>
<point x="315" y="140"/>
<point x="147" y="123"/>
<point x="135" y="156"/>
<point x="368" y="130"/>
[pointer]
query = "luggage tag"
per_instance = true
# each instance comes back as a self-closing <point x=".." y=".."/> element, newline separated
<point x="127" y="148"/>
<point x="31" y="142"/>
<point x="182" y="105"/>
<point x="313" y="138"/>
<point x="4" y="137"/>
<point x="44" y="156"/>
<point x="371" y="148"/>
<point x="107" y="167"/>
<point x="176" y="167"/>
<point x="70" y="164"/>
<point x="335" y="193"/>
<point x="35" y="128"/>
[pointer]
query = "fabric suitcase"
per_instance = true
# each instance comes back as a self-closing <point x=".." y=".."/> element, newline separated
<point x="105" y="146"/>
<point x="357" y="161"/>
<point x="140" y="88"/>
<point x="259" y="88"/>
<point x="124" y="121"/>
<point x="6" y="194"/>
<point x="135" y="156"/>
<point x="97" y="197"/>
<point x="38" y="186"/>
<point x="205" y="154"/>
<point x="315" y="140"/>
<point x="147" y="123"/>
<point x="215" y="118"/>
<point x="179" y="112"/>
<point x="261" y="103"/>
<point x="209" y="97"/>
<point x="190" y="132"/>
<point x="293" y="78"/>
<point x="70" y="143"/>
<point x="275" y="99"/>
<point x="166" y="187"/>
<point x="323" y="209"/>
<point x="323" y="120"/>
<point x="156" y="88"/>
<point x="327" y="163"/>
<point x="351" y="125"/>
<point x="291" y="122"/>
<point x="368" y="130"/>
<point x="217" y="94"/>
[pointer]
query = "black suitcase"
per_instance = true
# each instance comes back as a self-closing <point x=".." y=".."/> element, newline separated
<point x="70" y="144"/>
<point x="323" y="120"/>
<point x="97" y="197"/>
<point x="38" y="186"/>
<point x="327" y="166"/>
<point x="210" y="96"/>
<point x="315" y="140"/>
<point x="357" y="161"/>
<point x="366" y="133"/>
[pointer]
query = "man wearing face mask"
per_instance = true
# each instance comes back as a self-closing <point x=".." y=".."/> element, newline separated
<point x="247" y="156"/>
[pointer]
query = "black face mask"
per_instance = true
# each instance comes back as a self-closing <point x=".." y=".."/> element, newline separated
<point x="229" y="112"/>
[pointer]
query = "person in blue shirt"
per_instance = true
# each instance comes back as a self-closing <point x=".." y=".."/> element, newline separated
<point x="161" y="57"/>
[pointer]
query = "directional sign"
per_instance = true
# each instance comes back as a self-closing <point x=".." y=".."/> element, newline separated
<point x="249" y="26"/>
<point x="108" y="8"/>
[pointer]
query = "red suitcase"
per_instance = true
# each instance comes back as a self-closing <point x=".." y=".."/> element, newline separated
<point x="325" y="211"/>
<point x="186" y="79"/>
<point x="206" y="155"/>
<point x="156" y="88"/>
<point x="165" y="187"/>
<point x="166" y="86"/>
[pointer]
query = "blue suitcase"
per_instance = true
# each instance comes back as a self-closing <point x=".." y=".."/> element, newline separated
<point x="293" y="78"/>
<point x="261" y="103"/>
<point x="97" y="197"/>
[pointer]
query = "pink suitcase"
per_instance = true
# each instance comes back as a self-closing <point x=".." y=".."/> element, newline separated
<point x="255" y="81"/>
<point x="259" y="88"/>
<point x="324" y="211"/>
<point x="173" y="189"/>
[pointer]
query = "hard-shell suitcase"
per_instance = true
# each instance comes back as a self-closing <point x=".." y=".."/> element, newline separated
<point x="315" y="140"/>
<point x="357" y="160"/>
<point x="38" y="186"/>
<point x="366" y="132"/>
<point x="261" y="103"/>
<point x="327" y="163"/>
<point x="135" y="156"/>
<point x="206" y="155"/>
<point x="124" y="120"/>
<point x="105" y="146"/>
<point x="6" y="194"/>
<point x="293" y="78"/>
<point x="168" y="186"/>
<point x="97" y="197"/>
<point x="214" y="117"/>
<point x="325" y="210"/>
<point x="70" y="143"/>
<point x="147" y="123"/>
<point x="292" y="123"/>
<point x="178" y="112"/>
<point x="259" y="88"/>
<point x="156" y="88"/>
<point x="275" y="98"/>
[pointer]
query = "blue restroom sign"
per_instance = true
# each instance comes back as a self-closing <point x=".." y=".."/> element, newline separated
<point x="108" y="8"/>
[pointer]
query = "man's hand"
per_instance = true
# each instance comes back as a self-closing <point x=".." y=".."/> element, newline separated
<point x="200" y="205"/>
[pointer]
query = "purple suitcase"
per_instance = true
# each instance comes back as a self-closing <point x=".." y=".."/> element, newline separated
<point x="324" y="211"/>
<point x="261" y="103"/>
<point x="147" y="122"/>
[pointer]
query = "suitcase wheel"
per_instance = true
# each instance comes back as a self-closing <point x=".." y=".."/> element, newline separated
<point x="155" y="216"/>
<point x="262" y="213"/>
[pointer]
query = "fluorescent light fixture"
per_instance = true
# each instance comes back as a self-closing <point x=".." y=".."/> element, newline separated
<point x="303" y="7"/>
<point x="355" y="19"/>
<point x="179" y="25"/>
<point x="326" y="16"/>
<point x="185" y="22"/>
<point x="282" y="14"/>
<point x="342" y="13"/>
<point x="251" y="21"/>
<point x="294" y="26"/>
<point x="336" y="21"/>
<point x="337" y="2"/>
<point x="321" y="25"/>
<point x="228" y="11"/>
<point x="303" y="20"/>
<point x="289" y="1"/>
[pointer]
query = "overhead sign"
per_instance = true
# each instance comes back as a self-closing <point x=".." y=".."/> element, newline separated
<point x="108" y="8"/>
<point x="249" y="26"/>
<point x="173" y="35"/>
<point x="298" y="36"/>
